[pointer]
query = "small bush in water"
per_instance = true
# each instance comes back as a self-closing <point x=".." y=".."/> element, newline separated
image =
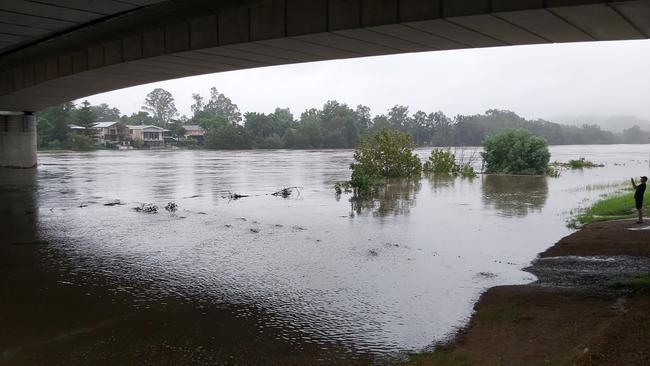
<point x="444" y="161"/>
<point x="387" y="154"/>
<point x="440" y="161"/>
<point x="383" y="154"/>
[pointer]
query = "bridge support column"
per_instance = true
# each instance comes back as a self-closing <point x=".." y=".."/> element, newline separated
<point x="18" y="140"/>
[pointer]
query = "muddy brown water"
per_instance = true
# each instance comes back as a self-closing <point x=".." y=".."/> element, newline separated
<point x="314" y="278"/>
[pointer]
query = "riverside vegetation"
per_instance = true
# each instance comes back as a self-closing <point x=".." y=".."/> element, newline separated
<point x="388" y="154"/>
<point x="334" y="125"/>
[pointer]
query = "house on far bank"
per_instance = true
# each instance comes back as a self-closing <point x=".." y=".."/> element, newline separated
<point x="195" y="132"/>
<point x="79" y="130"/>
<point x="110" y="133"/>
<point x="150" y="136"/>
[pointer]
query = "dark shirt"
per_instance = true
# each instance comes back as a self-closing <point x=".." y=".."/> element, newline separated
<point x="640" y="190"/>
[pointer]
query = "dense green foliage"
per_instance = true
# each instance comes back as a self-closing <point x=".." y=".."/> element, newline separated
<point x="440" y="161"/>
<point x="444" y="161"/>
<point x="384" y="154"/>
<point x="612" y="207"/>
<point x="160" y="104"/>
<point x="387" y="153"/>
<point x="334" y="125"/>
<point x="78" y="143"/>
<point x="515" y="152"/>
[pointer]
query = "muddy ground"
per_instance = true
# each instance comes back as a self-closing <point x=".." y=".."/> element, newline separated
<point x="581" y="311"/>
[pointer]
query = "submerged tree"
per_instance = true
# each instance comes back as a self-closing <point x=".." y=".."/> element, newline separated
<point x="387" y="153"/>
<point x="516" y="152"/>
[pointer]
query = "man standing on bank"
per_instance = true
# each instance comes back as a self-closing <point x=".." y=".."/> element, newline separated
<point x="639" y="190"/>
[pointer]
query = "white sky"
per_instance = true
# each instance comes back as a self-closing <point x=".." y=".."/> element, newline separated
<point x="539" y="81"/>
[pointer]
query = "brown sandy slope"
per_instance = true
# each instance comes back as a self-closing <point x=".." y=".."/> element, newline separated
<point x="605" y="238"/>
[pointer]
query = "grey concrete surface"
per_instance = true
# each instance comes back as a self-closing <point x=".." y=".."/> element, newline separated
<point x="52" y="51"/>
<point x="17" y="141"/>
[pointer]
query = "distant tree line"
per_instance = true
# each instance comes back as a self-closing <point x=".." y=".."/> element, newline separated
<point x="335" y="125"/>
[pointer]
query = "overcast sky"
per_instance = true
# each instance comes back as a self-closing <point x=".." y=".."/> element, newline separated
<point x="540" y="81"/>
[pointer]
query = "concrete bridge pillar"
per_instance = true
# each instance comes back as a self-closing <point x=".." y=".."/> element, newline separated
<point x="17" y="140"/>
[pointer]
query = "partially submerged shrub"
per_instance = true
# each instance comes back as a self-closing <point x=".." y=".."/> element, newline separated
<point x="343" y="186"/>
<point x="440" y="161"/>
<point x="380" y="155"/>
<point x="552" y="171"/>
<point x="515" y="152"/>
<point x="581" y="163"/>
<point x="363" y="181"/>
<point x="444" y="161"/>
<point x="387" y="154"/>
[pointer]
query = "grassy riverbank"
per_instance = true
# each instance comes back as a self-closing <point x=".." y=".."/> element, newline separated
<point x="616" y="206"/>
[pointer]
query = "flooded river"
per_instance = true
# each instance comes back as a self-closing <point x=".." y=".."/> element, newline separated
<point x="313" y="278"/>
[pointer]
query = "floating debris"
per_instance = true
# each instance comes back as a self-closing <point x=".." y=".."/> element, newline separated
<point x="373" y="252"/>
<point x="236" y="196"/>
<point x="255" y="231"/>
<point x="286" y="192"/>
<point x="171" y="207"/>
<point x="485" y="275"/>
<point x="114" y="203"/>
<point x="146" y="208"/>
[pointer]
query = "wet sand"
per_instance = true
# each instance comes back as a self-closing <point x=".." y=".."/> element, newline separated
<point x="585" y="319"/>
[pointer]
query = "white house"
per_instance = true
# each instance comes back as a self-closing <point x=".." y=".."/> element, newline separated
<point x="152" y="136"/>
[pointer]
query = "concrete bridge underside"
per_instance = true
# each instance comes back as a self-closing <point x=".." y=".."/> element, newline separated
<point x="52" y="51"/>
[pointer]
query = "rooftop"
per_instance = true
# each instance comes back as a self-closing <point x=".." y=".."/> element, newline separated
<point x="193" y="128"/>
<point x="148" y="128"/>
<point x="104" y="124"/>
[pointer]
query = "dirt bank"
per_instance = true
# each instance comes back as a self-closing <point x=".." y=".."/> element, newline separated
<point x="611" y="238"/>
<point x="578" y="313"/>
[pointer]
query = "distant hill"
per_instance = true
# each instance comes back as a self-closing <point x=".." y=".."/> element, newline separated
<point x="607" y="123"/>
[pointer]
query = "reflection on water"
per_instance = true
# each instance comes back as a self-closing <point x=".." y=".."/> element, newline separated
<point x="396" y="197"/>
<point x="18" y="207"/>
<point x="261" y="280"/>
<point x="514" y="196"/>
<point x="440" y="182"/>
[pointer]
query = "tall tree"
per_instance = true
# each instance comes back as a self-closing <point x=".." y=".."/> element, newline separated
<point x="198" y="105"/>
<point x="160" y="103"/>
<point x="85" y="117"/>
<point x="217" y="108"/>
<point x="104" y="113"/>
<point x="398" y="116"/>
<point x="53" y="122"/>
